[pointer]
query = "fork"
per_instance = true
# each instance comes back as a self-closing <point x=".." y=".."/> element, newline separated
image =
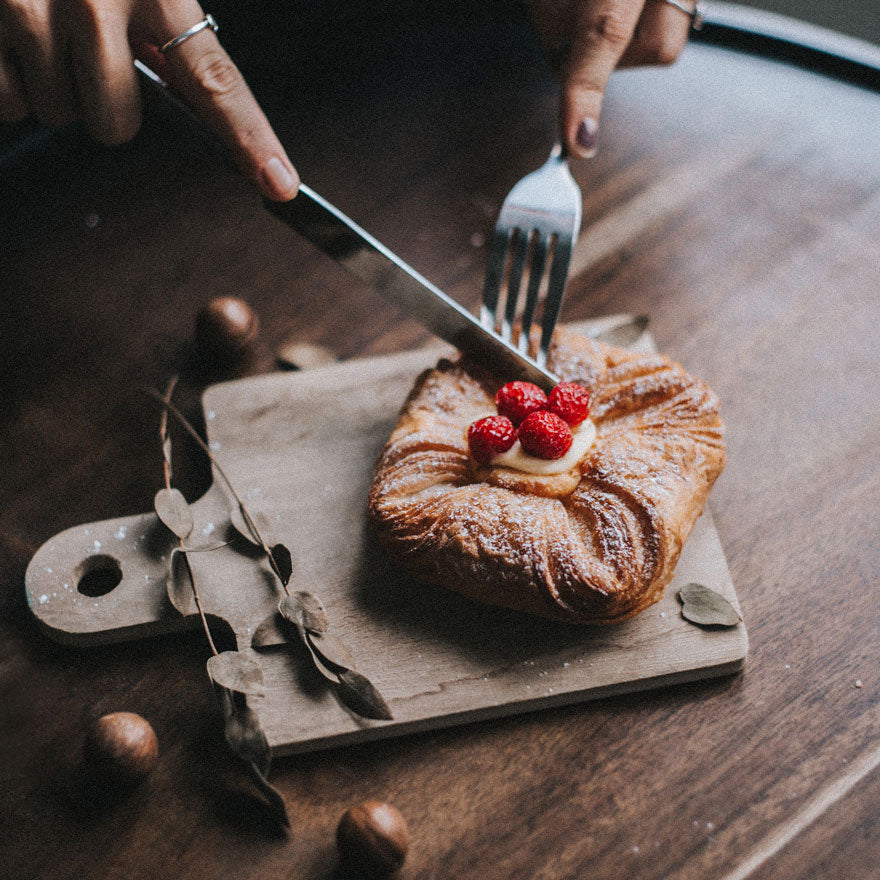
<point x="538" y="224"/>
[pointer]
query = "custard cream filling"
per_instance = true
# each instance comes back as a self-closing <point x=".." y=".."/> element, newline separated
<point x="517" y="458"/>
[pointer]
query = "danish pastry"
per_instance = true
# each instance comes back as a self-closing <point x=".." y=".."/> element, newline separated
<point x="596" y="543"/>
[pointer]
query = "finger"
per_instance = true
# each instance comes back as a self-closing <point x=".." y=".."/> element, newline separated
<point x="38" y="54"/>
<point x="207" y="79"/>
<point x="603" y="30"/>
<point x="660" y="36"/>
<point x="105" y="83"/>
<point x="12" y="103"/>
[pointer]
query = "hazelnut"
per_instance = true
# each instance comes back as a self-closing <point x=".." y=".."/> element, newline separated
<point x="226" y="327"/>
<point x="372" y="838"/>
<point x="121" y="745"/>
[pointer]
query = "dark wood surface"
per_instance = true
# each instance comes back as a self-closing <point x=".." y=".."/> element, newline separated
<point x="734" y="200"/>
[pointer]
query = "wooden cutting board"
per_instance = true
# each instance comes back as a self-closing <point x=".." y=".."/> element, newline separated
<point x="300" y="448"/>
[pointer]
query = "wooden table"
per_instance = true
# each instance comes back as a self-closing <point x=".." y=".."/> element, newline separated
<point x="735" y="200"/>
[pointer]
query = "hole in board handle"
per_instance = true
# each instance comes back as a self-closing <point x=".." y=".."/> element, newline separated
<point x="98" y="575"/>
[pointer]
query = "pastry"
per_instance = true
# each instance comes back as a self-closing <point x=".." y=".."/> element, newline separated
<point x="594" y="542"/>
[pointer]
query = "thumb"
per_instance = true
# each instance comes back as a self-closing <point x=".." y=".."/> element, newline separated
<point x="603" y="30"/>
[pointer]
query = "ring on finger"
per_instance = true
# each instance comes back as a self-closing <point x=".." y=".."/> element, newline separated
<point x="206" y="22"/>
<point x="696" y="15"/>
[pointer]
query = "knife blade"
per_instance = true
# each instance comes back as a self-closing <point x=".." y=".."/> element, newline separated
<point x="338" y="236"/>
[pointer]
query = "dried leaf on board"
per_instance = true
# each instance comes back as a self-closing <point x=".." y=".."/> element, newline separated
<point x="178" y="584"/>
<point x="269" y="633"/>
<point x="283" y="562"/>
<point x="705" y="607"/>
<point x="362" y="697"/>
<point x="294" y="355"/>
<point x="172" y="508"/>
<point x="250" y="524"/>
<point x="235" y="672"/>
<point x="318" y="662"/>
<point x="305" y="610"/>
<point x="314" y="615"/>
<point x="332" y="650"/>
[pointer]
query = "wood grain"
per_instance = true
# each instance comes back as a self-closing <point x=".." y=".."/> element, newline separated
<point x="762" y="280"/>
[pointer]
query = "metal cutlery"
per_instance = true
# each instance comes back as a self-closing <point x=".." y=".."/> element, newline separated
<point x="536" y="229"/>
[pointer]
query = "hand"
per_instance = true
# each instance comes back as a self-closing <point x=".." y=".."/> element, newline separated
<point x="585" y="40"/>
<point x="62" y="60"/>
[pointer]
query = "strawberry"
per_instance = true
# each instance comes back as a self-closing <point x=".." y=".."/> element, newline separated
<point x="545" y="435"/>
<point x="517" y="399"/>
<point x="489" y="437"/>
<point x="570" y="402"/>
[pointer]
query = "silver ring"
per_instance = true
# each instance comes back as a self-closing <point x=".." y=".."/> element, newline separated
<point x="696" y="15"/>
<point x="206" y="22"/>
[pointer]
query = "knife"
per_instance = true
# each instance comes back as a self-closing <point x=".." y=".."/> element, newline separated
<point x="338" y="236"/>
<point x="366" y="257"/>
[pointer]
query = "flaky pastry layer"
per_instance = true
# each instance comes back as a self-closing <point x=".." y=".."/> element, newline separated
<point x="595" y="545"/>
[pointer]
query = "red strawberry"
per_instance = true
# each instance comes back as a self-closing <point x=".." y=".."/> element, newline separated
<point x="570" y="402"/>
<point x="545" y="435"/>
<point x="490" y="436"/>
<point x="517" y="399"/>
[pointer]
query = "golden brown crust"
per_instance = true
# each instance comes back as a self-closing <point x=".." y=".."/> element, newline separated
<point x="596" y="545"/>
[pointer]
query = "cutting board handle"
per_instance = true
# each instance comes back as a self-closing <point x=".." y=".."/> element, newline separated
<point x="104" y="582"/>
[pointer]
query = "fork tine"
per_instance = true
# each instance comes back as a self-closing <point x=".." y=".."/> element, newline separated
<point x="555" y="290"/>
<point x="494" y="274"/>
<point x="536" y="273"/>
<point x="514" y="279"/>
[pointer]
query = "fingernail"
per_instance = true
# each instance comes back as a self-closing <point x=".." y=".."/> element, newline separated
<point x="277" y="177"/>
<point x="586" y="137"/>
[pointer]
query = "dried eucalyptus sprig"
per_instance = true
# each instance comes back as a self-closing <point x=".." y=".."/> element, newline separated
<point x="170" y="504"/>
<point x="303" y="611"/>
<point x="234" y="675"/>
<point x="278" y="555"/>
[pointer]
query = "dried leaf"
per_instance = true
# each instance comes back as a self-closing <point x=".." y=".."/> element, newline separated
<point x="250" y="524"/>
<point x="705" y="607"/>
<point x="625" y="334"/>
<point x="172" y="508"/>
<point x="318" y="663"/>
<point x="331" y="650"/>
<point x="291" y="610"/>
<point x="283" y="562"/>
<point x="305" y="610"/>
<point x="246" y="738"/>
<point x="315" y="618"/>
<point x="295" y="355"/>
<point x="247" y="741"/>
<point x="164" y="435"/>
<point x="235" y="672"/>
<point x="166" y="450"/>
<point x="361" y="696"/>
<point x="178" y="585"/>
<point x="269" y="633"/>
<point x="274" y="798"/>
